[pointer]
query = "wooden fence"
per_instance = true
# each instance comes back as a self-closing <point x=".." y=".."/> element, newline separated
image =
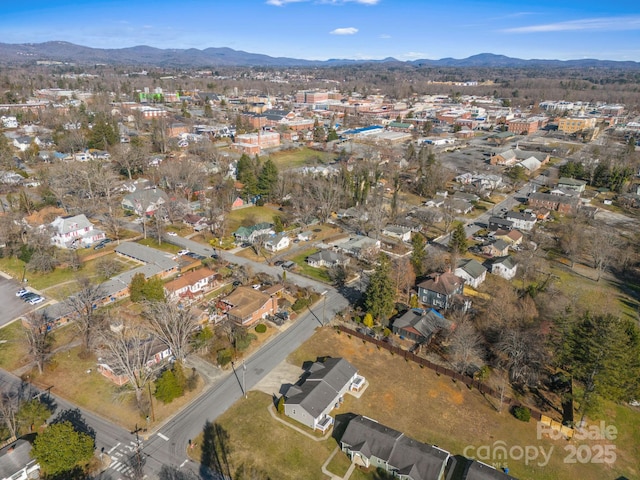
<point x="440" y="370"/>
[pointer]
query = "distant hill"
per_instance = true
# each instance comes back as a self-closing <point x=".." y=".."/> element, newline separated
<point x="26" y="53"/>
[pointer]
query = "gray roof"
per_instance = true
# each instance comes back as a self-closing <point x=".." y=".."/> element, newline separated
<point x="416" y="460"/>
<point x="426" y="323"/>
<point x="471" y="266"/>
<point x="71" y="224"/>
<point x="14" y="457"/>
<point x="327" y="256"/>
<point x="146" y="254"/>
<point x="322" y="385"/>
<point x="507" y="261"/>
<point x="571" y="181"/>
<point x="500" y="221"/>
<point x="500" y="244"/>
<point x="528" y="217"/>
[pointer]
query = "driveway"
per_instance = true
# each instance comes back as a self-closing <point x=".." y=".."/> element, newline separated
<point x="12" y="306"/>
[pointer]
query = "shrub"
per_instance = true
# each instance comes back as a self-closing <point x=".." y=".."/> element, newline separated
<point x="243" y="342"/>
<point x="168" y="387"/>
<point x="281" y="405"/>
<point x="261" y="328"/>
<point x="522" y="413"/>
<point x="224" y="357"/>
<point x="300" y="304"/>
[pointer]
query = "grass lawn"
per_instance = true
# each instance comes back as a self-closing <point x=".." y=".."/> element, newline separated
<point x="300" y="157"/>
<point x="304" y="268"/>
<point x="250" y="216"/>
<point x="424" y="406"/>
<point x="13" y="349"/>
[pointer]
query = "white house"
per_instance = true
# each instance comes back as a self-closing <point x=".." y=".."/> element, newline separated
<point x="397" y="232"/>
<point x="472" y="272"/>
<point x="277" y="242"/>
<point x="522" y="220"/>
<point x="322" y="390"/>
<point x="74" y="232"/>
<point x="504" y="267"/>
<point x="9" y="122"/>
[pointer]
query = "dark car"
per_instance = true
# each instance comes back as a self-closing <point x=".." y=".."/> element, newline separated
<point x="236" y="283"/>
<point x="277" y="263"/>
<point x="29" y="296"/>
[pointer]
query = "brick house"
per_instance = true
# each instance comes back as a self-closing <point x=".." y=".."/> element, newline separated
<point x="560" y="203"/>
<point x="246" y="306"/>
<point x="196" y="282"/>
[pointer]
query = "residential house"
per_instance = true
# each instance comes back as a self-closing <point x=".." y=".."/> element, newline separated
<point x="246" y="306"/>
<point x="16" y="462"/>
<point x="144" y="202"/>
<point x="499" y="223"/>
<point x="327" y="258"/>
<point x="421" y="325"/>
<point x="278" y="242"/>
<point x="373" y="445"/>
<point x="572" y="184"/>
<point x="522" y="220"/>
<point x="505" y="267"/>
<point x="250" y="234"/>
<point x="164" y="262"/>
<point x="196" y="282"/>
<point x="74" y="232"/>
<point x="153" y="350"/>
<point x="471" y="271"/>
<point x="560" y="203"/>
<point x="440" y="289"/>
<point x="512" y="238"/>
<point x="515" y="156"/>
<point x="305" y="236"/>
<point x="467" y="197"/>
<point x="496" y="248"/>
<point x="458" y="206"/>
<point x="359" y="246"/>
<point x="197" y="222"/>
<point x="397" y="232"/>
<point x="321" y="389"/>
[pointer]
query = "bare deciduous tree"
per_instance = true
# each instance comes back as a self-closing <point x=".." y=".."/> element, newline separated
<point x="522" y="353"/>
<point x="129" y="351"/>
<point x="38" y="338"/>
<point x="87" y="319"/>
<point x="172" y="325"/>
<point x="603" y="248"/>
<point x="9" y="404"/>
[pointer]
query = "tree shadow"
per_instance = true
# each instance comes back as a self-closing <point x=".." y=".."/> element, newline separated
<point x="173" y="473"/>
<point x="340" y="425"/>
<point x="74" y="416"/>
<point x="214" y="461"/>
<point x="77" y="473"/>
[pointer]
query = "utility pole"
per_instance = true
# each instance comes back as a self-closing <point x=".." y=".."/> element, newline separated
<point x="138" y="466"/>
<point x="244" y="386"/>
<point x="153" y="415"/>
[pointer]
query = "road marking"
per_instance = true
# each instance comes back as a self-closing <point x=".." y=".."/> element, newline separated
<point x="164" y="437"/>
<point x="114" y="447"/>
<point x="182" y="464"/>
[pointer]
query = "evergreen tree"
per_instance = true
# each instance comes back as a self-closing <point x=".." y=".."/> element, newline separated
<point x="60" y="448"/>
<point x="318" y="132"/>
<point x="458" y="242"/>
<point x="167" y="387"/>
<point x="379" y="298"/>
<point x="102" y="135"/>
<point x="33" y="414"/>
<point x="332" y="135"/>
<point x="153" y="290"/>
<point x="268" y="178"/>
<point x="136" y="287"/>
<point x="419" y="254"/>
<point x="247" y="175"/>
<point x="603" y="353"/>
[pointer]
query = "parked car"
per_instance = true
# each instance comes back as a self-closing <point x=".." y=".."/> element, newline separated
<point x="288" y="265"/>
<point x="28" y="296"/>
<point x="183" y="252"/>
<point x="36" y="300"/>
<point x="21" y="292"/>
<point x="172" y="234"/>
<point x="278" y="263"/>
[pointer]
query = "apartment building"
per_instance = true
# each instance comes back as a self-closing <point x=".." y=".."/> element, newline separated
<point x="575" y="124"/>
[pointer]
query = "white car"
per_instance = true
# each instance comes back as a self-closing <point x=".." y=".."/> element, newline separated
<point x="36" y="300"/>
<point x="183" y="252"/>
<point x="172" y="234"/>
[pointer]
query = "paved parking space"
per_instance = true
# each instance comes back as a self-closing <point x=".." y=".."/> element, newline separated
<point x="11" y="307"/>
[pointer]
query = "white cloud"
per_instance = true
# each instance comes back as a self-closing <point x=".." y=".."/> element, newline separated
<point x="413" y="55"/>
<point x="385" y="36"/>
<point x="280" y="3"/>
<point x="602" y="24"/>
<point x="344" y="31"/>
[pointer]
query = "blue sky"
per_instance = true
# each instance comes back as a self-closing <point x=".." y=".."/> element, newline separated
<point x="322" y="29"/>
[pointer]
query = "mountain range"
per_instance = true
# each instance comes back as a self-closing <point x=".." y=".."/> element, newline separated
<point x="58" y="51"/>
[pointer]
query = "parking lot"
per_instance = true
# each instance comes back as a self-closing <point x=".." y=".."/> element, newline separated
<point x="12" y="306"/>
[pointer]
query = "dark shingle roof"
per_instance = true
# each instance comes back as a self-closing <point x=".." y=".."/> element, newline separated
<point x="417" y="460"/>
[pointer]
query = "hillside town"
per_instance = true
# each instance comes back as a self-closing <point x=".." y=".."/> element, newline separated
<point x="172" y="242"/>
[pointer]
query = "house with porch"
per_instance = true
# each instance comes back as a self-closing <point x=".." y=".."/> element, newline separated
<point x="373" y="445"/>
<point x="497" y="248"/>
<point x="321" y="389"/>
<point x="246" y="306"/>
<point x="421" y="325"/>
<point x="278" y="242"/>
<point x="144" y="202"/>
<point x="327" y="258"/>
<point x="75" y="232"/>
<point x="250" y="234"/>
<point x="191" y="284"/>
<point x="16" y="462"/>
<point x="439" y="290"/>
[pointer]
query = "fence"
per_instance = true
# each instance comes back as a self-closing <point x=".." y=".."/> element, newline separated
<point x="440" y="370"/>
